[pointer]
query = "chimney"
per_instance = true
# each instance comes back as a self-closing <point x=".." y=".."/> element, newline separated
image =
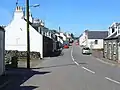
<point x="18" y="13"/>
<point x="19" y="9"/>
<point x="59" y="29"/>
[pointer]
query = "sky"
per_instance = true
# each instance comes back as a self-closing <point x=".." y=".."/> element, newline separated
<point x="72" y="16"/>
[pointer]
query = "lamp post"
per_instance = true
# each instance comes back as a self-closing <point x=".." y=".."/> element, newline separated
<point x="28" y="33"/>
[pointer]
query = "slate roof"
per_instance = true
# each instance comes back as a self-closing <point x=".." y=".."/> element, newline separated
<point x="1" y="28"/>
<point x="97" y="34"/>
<point x="117" y="24"/>
<point x="80" y="35"/>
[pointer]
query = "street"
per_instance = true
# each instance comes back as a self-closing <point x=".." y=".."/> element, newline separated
<point x="72" y="71"/>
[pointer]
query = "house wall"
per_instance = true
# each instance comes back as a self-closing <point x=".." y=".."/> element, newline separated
<point x="83" y="39"/>
<point x="2" y="49"/>
<point x="64" y="37"/>
<point x="16" y="37"/>
<point x="59" y="39"/>
<point x="99" y="45"/>
<point x="111" y="49"/>
<point x="47" y="46"/>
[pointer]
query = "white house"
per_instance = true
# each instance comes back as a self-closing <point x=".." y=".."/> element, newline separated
<point x="16" y="34"/>
<point x="93" y="39"/>
<point x="63" y="36"/>
<point x="58" y="38"/>
<point x="83" y="39"/>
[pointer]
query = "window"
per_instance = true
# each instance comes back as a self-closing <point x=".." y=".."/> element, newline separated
<point x="113" y="30"/>
<point x="87" y="48"/>
<point x="96" y="41"/>
<point x="114" y="48"/>
<point x="105" y="47"/>
<point x="119" y="29"/>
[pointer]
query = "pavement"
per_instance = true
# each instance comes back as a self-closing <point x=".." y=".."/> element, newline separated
<point x="99" y="56"/>
<point x="71" y="71"/>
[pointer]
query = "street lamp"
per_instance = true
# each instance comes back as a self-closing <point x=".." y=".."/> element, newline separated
<point x="35" y="5"/>
<point x="28" y="33"/>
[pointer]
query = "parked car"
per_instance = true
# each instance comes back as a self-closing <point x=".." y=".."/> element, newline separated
<point x="86" y="50"/>
<point x="66" y="44"/>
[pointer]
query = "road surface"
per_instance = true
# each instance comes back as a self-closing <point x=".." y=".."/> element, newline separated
<point x="71" y="71"/>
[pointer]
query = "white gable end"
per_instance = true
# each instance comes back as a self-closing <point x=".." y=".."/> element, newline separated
<point x="16" y="37"/>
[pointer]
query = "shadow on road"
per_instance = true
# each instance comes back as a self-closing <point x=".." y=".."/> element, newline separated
<point x="19" y="76"/>
<point x="56" y="54"/>
<point x="57" y="66"/>
<point x="27" y="87"/>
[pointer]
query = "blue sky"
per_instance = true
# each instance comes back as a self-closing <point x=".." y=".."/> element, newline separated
<point x="71" y="15"/>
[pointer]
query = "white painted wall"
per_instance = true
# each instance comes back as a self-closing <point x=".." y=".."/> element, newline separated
<point x="95" y="46"/>
<point x="58" y="38"/>
<point x="83" y="39"/>
<point x="16" y="36"/>
<point x="64" y="37"/>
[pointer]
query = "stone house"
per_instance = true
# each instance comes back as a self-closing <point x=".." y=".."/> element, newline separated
<point x="112" y="43"/>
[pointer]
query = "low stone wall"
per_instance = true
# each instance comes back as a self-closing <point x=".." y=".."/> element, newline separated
<point x="20" y="55"/>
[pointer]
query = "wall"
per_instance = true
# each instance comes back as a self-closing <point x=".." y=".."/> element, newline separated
<point x="109" y="51"/>
<point x="47" y="46"/>
<point x="83" y="39"/>
<point x="62" y="35"/>
<point x="2" y="49"/>
<point x="95" y="46"/>
<point x="16" y="37"/>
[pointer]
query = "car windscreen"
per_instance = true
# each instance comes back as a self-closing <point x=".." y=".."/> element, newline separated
<point x="86" y="48"/>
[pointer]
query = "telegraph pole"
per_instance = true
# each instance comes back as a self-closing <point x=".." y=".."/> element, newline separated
<point x="28" y="35"/>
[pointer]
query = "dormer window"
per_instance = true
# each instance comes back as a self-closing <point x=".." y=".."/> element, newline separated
<point x="113" y="30"/>
<point x="119" y="29"/>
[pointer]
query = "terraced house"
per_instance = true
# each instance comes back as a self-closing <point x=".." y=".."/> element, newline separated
<point x="93" y="39"/>
<point x="112" y="43"/>
<point x="42" y="40"/>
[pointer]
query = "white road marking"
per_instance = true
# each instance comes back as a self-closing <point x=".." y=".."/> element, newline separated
<point x="76" y="63"/>
<point x="73" y="57"/>
<point x="105" y="62"/>
<point x="112" y="80"/>
<point x="79" y="64"/>
<point x="88" y="70"/>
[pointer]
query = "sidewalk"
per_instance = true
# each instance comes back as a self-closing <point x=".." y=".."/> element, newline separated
<point x="17" y="75"/>
<point x="99" y="55"/>
<point x="33" y="63"/>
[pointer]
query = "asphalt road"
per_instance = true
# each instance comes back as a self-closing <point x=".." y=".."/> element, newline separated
<point x="72" y="71"/>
